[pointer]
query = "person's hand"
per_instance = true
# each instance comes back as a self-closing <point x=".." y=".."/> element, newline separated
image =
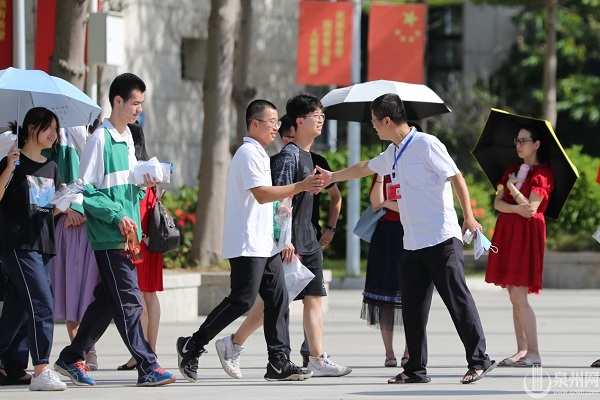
<point x="312" y="183"/>
<point x="326" y="237"/>
<point x="327" y="176"/>
<point x="526" y="210"/>
<point x="149" y="181"/>
<point x="472" y="225"/>
<point x="127" y="225"/>
<point x="287" y="253"/>
<point x="74" y="218"/>
<point x="12" y="156"/>
<point x="512" y="179"/>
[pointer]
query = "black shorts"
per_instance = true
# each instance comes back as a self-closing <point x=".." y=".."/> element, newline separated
<point x="316" y="287"/>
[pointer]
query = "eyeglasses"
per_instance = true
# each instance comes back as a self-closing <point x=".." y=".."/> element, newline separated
<point x="318" y="117"/>
<point x="521" y="142"/>
<point x="376" y="119"/>
<point x="273" y="123"/>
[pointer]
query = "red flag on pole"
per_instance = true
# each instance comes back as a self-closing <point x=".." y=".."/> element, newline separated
<point x="44" y="34"/>
<point x="324" y="43"/>
<point x="6" y="34"/>
<point x="396" y="43"/>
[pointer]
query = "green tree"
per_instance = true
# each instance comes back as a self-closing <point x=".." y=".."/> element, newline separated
<point x="549" y="50"/>
<point x="214" y="163"/>
<point x="520" y="82"/>
<point x="69" y="46"/>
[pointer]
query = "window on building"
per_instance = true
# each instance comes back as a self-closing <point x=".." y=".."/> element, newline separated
<point x="444" y="49"/>
<point x="193" y="58"/>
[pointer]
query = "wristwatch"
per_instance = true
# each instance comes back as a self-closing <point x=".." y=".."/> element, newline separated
<point x="331" y="228"/>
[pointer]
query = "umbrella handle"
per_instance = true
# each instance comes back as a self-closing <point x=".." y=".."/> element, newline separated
<point x="17" y="162"/>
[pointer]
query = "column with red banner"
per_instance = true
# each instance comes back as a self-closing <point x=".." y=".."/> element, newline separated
<point x="6" y="33"/>
<point x="324" y="43"/>
<point x="396" y="45"/>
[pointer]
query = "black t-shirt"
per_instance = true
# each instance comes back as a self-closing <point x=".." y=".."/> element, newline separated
<point x="292" y="164"/>
<point x="316" y="212"/>
<point x="27" y="215"/>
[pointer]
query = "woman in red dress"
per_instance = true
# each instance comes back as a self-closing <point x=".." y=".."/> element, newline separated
<point x="520" y="236"/>
<point x="150" y="271"/>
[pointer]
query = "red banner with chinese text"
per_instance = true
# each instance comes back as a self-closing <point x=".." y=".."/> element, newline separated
<point x="44" y="34"/>
<point x="396" y="42"/>
<point x="6" y="33"/>
<point x="324" y="54"/>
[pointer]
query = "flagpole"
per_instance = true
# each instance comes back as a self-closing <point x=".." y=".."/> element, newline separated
<point x="352" y="241"/>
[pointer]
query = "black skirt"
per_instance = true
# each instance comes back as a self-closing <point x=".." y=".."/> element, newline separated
<point x="382" y="301"/>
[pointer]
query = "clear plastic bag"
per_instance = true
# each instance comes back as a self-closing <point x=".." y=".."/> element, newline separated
<point x="283" y="217"/>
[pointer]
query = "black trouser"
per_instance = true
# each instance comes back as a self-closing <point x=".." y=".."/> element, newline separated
<point x="251" y="276"/>
<point x="27" y="321"/>
<point x="441" y="266"/>
<point x="117" y="297"/>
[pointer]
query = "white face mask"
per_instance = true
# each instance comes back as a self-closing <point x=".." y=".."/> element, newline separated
<point x="483" y="244"/>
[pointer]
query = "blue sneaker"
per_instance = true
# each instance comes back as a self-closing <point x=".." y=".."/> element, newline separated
<point x="156" y="378"/>
<point x="74" y="371"/>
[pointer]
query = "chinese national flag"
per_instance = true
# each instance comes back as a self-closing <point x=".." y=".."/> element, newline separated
<point x="324" y="54"/>
<point x="396" y="42"/>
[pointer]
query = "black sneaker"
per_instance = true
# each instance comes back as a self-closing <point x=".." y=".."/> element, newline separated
<point x="188" y="353"/>
<point x="286" y="371"/>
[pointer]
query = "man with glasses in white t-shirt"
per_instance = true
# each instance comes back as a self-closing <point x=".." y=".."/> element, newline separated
<point x="256" y="268"/>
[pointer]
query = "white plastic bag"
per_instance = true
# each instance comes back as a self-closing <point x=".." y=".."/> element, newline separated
<point x="69" y="194"/>
<point x="151" y="167"/>
<point x="297" y="276"/>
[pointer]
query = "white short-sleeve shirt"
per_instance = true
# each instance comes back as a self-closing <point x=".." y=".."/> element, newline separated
<point x="248" y="227"/>
<point x="427" y="204"/>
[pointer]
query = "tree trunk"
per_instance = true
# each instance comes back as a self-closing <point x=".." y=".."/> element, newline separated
<point x="549" y="89"/>
<point x="241" y="92"/>
<point x="210" y="213"/>
<point x="69" y="41"/>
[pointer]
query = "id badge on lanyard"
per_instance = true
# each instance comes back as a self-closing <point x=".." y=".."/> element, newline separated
<point x="393" y="189"/>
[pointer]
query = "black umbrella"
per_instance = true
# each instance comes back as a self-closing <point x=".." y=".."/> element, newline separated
<point x="353" y="103"/>
<point x="495" y="151"/>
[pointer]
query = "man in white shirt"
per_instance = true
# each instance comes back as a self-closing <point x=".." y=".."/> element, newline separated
<point x="423" y="174"/>
<point x="256" y="268"/>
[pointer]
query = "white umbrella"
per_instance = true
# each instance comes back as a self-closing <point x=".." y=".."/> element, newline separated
<point x="353" y="103"/>
<point x="21" y="90"/>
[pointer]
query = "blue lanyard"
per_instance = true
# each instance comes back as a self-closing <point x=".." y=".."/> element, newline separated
<point x="397" y="157"/>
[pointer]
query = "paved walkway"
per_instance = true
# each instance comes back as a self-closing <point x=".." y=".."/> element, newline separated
<point x="568" y="324"/>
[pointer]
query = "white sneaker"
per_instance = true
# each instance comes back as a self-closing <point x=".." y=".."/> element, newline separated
<point x="46" y="381"/>
<point x="229" y="354"/>
<point x="324" y="366"/>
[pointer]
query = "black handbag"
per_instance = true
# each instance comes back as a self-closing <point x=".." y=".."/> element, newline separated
<point x="163" y="232"/>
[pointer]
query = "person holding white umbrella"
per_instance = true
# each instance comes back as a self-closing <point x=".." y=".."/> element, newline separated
<point x="26" y="249"/>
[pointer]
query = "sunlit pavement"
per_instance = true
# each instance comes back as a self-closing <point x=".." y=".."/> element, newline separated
<point x="568" y="325"/>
